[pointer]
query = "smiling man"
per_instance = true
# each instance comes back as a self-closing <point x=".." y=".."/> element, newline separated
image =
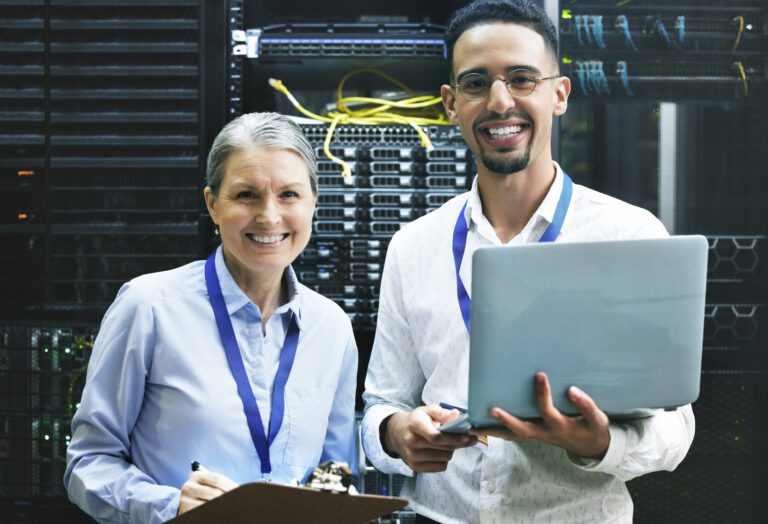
<point x="505" y="89"/>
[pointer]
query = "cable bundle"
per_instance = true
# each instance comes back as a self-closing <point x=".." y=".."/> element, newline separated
<point x="415" y="111"/>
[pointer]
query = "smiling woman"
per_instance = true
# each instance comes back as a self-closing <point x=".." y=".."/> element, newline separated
<point x="212" y="361"/>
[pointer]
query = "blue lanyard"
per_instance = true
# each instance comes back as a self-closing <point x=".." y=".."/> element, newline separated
<point x="287" y="356"/>
<point x="460" y="242"/>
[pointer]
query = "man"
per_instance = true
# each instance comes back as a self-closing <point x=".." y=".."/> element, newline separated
<point x="505" y="89"/>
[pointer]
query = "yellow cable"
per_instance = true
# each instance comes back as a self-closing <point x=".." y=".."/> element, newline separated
<point x="346" y="173"/>
<point x="376" y="111"/>
<point x="741" y="32"/>
<point x="743" y="76"/>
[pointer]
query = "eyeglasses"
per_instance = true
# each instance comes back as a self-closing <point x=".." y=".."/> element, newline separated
<point x="519" y="82"/>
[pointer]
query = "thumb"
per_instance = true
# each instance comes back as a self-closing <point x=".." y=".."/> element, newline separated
<point x="439" y="414"/>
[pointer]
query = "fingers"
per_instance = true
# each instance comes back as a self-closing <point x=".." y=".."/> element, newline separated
<point x="202" y="486"/>
<point x="214" y="480"/>
<point x="547" y="409"/>
<point x="440" y="415"/>
<point x="587" y="407"/>
<point x="418" y="441"/>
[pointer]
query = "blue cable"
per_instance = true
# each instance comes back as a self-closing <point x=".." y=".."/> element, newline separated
<point x="585" y="25"/>
<point x="623" y="23"/>
<point x="663" y="32"/>
<point x="621" y="70"/>
<point x="580" y="75"/>
<point x="578" y="30"/>
<point x="597" y="30"/>
<point x="603" y="79"/>
<point x="680" y="26"/>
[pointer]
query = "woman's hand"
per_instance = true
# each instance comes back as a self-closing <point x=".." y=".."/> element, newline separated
<point x="202" y="486"/>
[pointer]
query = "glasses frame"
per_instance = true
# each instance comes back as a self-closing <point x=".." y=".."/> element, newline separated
<point x="492" y="79"/>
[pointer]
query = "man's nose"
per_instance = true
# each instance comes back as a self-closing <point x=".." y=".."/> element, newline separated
<point x="499" y="100"/>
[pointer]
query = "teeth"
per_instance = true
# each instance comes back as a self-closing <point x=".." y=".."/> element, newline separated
<point x="266" y="239"/>
<point x="504" y="131"/>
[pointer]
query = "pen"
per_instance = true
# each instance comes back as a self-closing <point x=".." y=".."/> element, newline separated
<point x="196" y="466"/>
<point x="445" y="405"/>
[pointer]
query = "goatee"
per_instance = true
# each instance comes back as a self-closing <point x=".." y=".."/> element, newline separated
<point x="506" y="166"/>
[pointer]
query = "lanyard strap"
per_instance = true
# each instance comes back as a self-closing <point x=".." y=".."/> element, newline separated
<point x="460" y="242"/>
<point x="287" y="355"/>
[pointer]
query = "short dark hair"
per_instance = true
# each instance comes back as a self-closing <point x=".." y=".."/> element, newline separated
<point x="480" y="12"/>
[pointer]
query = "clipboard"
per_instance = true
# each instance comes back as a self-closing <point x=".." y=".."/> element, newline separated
<point x="269" y="503"/>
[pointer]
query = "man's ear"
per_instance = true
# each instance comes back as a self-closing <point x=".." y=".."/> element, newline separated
<point x="560" y="95"/>
<point x="449" y="102"/>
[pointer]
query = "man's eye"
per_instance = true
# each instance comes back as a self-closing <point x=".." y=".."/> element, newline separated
<point x="521" y="81"/>
<point x="474" y="84"/>
<point x="245" y="194"/>
<point x="290" y="194"/>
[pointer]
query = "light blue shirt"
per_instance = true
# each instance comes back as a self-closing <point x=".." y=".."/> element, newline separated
<point x="159" y="394"/>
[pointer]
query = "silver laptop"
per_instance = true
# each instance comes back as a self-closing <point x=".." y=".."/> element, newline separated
<point x="622" y="320"/>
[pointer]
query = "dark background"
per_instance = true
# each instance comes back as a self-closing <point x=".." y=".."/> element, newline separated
<point x="108" y="107"/>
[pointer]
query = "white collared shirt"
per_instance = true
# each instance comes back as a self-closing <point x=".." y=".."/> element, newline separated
<point x="421" y="356"/>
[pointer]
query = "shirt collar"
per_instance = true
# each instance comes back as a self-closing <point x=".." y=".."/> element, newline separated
<point x="236" y="299"/>
<point x="545" y="211"/>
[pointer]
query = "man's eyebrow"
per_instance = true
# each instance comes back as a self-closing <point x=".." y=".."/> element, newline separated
<point x="529" y="68"/>
<point x="476" y="71"/>
<point x="484" y="71"/>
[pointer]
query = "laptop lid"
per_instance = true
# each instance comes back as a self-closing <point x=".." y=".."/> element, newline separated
<point x="622" y="320"/>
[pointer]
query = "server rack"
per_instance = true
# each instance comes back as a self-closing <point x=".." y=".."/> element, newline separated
<point x="76" y="225"/>
<point x="650" y="80"/>
<point x="100" y="138"/>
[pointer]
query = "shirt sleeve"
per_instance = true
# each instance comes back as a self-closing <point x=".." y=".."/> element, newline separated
<point x="655" y="443"/>
<point x="341" y="437"/>
<point x="395" y="379"/>
<point x="100" y="477"/>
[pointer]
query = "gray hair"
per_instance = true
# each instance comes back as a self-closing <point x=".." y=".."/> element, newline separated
<point x="271" y="130"/>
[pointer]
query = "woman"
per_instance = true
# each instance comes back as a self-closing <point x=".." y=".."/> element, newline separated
<point x="230" y="361"/>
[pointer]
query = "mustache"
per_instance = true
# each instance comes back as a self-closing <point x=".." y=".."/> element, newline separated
<point x="496" y="117"/>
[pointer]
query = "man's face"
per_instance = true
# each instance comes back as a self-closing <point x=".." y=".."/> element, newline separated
<point x="506" y="133"/>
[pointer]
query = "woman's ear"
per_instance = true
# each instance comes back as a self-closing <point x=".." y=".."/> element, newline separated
<point x="210" y="203"/>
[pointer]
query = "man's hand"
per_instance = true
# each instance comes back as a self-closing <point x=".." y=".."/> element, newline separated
<point x="585" y="436"/>
<point x="414" y="437"/>
<point x="202" y="486"/>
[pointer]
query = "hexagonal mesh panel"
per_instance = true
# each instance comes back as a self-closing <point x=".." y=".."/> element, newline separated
<point x="737" y="257"/>
<point x="736" y="326"/>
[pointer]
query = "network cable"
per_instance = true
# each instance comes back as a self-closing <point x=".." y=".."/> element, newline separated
<point x="621" y="70"/>
<point x="597" y="30"/>
<point x="622" y="23"/>
<point x="742" y="76"/>
<point x="416" y="111"/>
<point x="577" y="23"/>
<point x="736" y="42"/>
<point x="664" y="33"/>
<point x="680" y="26"/>
<point x="580" y="73"/>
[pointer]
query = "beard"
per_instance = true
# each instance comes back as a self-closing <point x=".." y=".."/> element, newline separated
<point x="506" y="166"/>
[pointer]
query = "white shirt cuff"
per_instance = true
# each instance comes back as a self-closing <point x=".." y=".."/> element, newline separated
<point x="374" y="449"/>
<point x="613" y="455"/>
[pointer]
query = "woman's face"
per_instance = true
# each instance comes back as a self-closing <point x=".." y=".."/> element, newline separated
<point x="264" y="210"/>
